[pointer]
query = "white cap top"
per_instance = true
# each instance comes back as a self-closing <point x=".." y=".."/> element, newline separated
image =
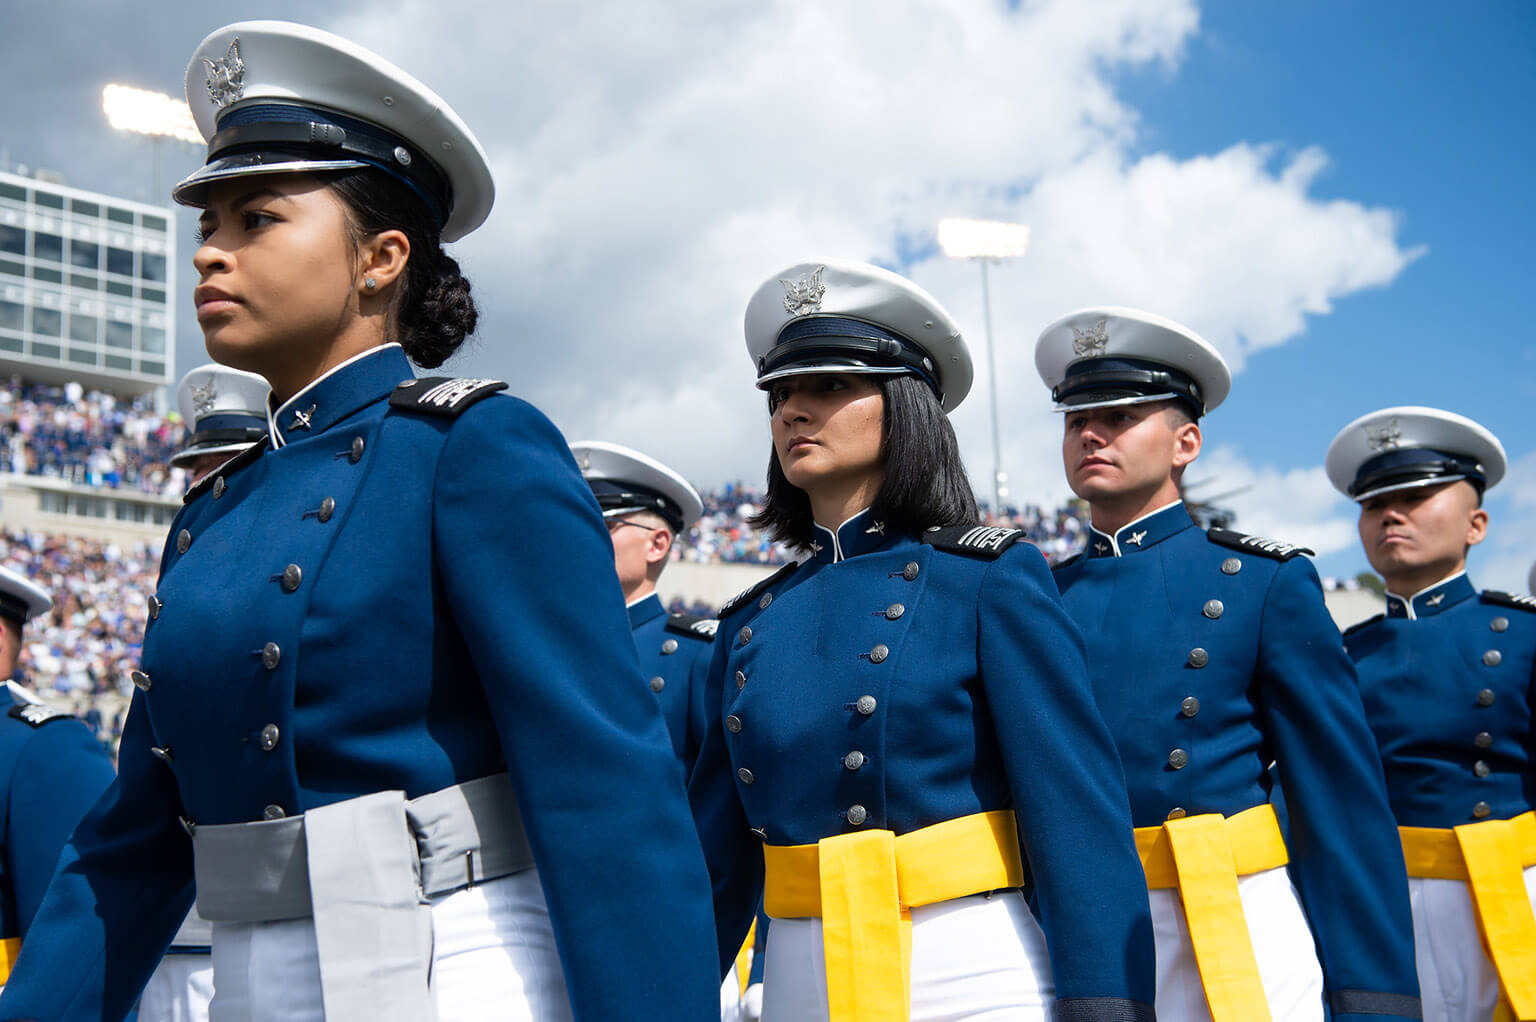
<point x="624" y="480"/>
<point x="835" y="316"/>
<point x="276" y="97"/>
<point x="1410" y="446"/>
<point x="1108" y="356"/>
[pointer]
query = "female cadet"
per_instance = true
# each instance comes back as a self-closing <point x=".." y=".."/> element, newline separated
<point x="900" y="709"/>
<point x="371" y="716"/>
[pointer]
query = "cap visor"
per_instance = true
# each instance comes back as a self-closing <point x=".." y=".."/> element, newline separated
<point x="181" y="459"/>
<point x="193" y="191"/>
<point x="1119" y="402"/>
<point x="830" y="367"/>
<point x="1414" y="485"/>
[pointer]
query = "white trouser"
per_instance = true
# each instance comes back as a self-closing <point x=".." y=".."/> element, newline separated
<point x="1457" y="982"/>
<point x="493" y="957"/>
<point x="730" y="998"/>
<point x="1282" y="945"/>
<point x="975" y="958"/>
<point x="179" y="991"/>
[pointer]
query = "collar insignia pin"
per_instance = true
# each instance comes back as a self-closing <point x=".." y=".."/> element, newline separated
<point x="803" y="296"/>
<point x="878" y="528"/>
<point x="815" y="547"/>
<point x="1387" y="438"/>
<point x="1100" y="545"/>
<point x="226" y="78"/>
<point x="1434" y="601"/>
<point x="1135" y="538"/>
<point x="302" y="418"/>
<point x="1092" y="341"/>
<point x="203" y="398"/>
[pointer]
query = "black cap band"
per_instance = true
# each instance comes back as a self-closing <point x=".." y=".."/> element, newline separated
<point x="616" y="495"/>
<point x="817" y="340"/>
<point x="1108" y="379"/>
<point x="13" y="608"/>
<point x="1424" y="465"/>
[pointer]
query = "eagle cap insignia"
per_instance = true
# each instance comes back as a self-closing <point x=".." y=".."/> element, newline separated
<point x="226" y="77"/>
<point x="203" y="398"/>
<point x="1386" y="438"/>
<point x="803" y="297"/>
<point x="1092" y="341"/>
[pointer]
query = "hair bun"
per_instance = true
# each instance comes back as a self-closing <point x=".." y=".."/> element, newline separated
<point x="434" y="327"/>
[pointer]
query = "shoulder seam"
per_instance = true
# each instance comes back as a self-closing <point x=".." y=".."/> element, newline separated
<point x="1263" y="547"/>
<point x="736" y="602"/>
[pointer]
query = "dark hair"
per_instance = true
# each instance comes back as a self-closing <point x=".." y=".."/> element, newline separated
<point x="433" y="308"/>
<point x="925" y="482"/>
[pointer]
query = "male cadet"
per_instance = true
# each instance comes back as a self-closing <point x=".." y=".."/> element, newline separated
<point x="1447" y="679"/>
<point x="225" y="411"/>
<point x="1212" y="654"/>
<point x="52" y="770"/>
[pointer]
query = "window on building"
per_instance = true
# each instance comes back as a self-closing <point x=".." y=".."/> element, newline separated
<point x="154" y="223"/>
<point x="12" y="267"/>
<point x="12" y="314"/>
<point x="119" y="335"/>
<point x="47" y="322"/>
<point x="152" y="340"/>
<point x="10" y="191"/>
<point x="84" y="254"/>
<point x="84" y="208"/>
<point x="152" y="266"/>
<point x="117" y="362"/>
<point x="48" y="199"/>
<point x="47" y="246"/>
<point x="121" y="216"/>
<point x="115" y="287"/>
<point x="120" y="260"/>
<point x="13" y="240"/>
<point x="52" y="276"/>
<point x="83" y="328"/>
<point x="85" y="281"/>
<point x="41" y="350"/>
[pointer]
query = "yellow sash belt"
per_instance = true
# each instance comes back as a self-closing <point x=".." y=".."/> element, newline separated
<point x="1490" y="858"/>
<point x="1202" y="856"/>
<point x="744" y="959"/>
<point x="10" y="948"/>
<point x="863" y="887"/>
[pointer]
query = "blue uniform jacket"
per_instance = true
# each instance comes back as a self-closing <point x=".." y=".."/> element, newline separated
<point x="1447" y="678"/>
<point x="1211" y="662"/>
<point x="52" y="770"/>
<point x="384" y="602"/>
<point x="921" y="685"/>
<point x="674" y="656"/>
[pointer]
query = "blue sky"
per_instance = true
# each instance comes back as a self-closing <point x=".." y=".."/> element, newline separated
<point x="1334" y="194"/>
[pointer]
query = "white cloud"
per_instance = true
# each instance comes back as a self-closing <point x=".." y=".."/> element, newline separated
<point x="656" y="161"/>
<point x="1505" y="559"/>
<point x="1296" y="505"/>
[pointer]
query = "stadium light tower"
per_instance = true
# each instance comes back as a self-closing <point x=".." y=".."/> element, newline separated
<point x="160" y="117"/>
<point x="986" y="241"/>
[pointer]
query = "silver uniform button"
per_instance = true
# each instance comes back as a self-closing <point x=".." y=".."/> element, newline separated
<point x="273" y="812"/>
<point x="183" y="541"/>
<point x="271" y="653"/>
<point x="1485" y="697"/>
<point x="1499" y="624"/>
<point x="1198" y="657"/>
<point x="1231" y="566"/>
<point x="1481" y="810"/>
<point x="658" y="683"/>
<point x="327" y="508"/>
<point x="911" y="571"/>
<point x="866" y="705"/>
<point x="1190" y="706"/>
<point x="733" y="724"/>
<point x="857" y="814"/>
<point x="292" y="576"/>
<point x="154" y="607"/>
<point x="1481" y="768"/>
<point x="218" y="488"/>
<point x="1493" y="658"/>
<point x="741" y="681"/>
<point x="188" y="824"/>
<point x="1176" y="813"/>
<point x="894" y="611"/>
<point x="1178" y="759"/>
<point x="1212" y="609"/>
<point x="140" y="680"/>
<point x="355" y="455"/>
<point x="1483" y="740"/>
<point x="763" y="603"/>
<point x="853" y="760"/>
<point x="745" y="635"/>
<point x="162" y="753"/>
<point x="745" y="776"/>
<point x="269" y="736"/>
<point x="670" y="646"/>
<point x="879" y="653"/>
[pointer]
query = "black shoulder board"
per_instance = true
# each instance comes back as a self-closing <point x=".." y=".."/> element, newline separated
<point x="234" y="464"/>
<point x="698" y="627"/>
<point x="984" y="541"/>
<point x="1509" y="600"/>
<point x="442" y="395"/>
<point x="1352" y="629"/>
<point x="1273" y="549"/>
<point x="37" y="714"/>
<point x="1070" y="560"/>
<point x="742" y="599"/>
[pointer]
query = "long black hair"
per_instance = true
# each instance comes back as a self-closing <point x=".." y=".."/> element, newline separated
<point x="925" y="482"/>
<point x="433" y="311"/>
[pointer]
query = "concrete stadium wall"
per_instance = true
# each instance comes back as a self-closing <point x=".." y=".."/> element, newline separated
<point x="108" y="516"/>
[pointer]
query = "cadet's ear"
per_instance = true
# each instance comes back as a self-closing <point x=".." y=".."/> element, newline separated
<point x="1186" y="444"/>
<point x="1477" y="526"/>
<point x="659" y="547"/>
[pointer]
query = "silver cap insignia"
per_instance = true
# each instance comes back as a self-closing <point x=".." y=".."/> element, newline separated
<point x="226" y="78"/>
<point x="203" y="398"/>
<point x="1386" y="438"/>
<point x="803" y="296"/>
<point x="1091" y="341"/>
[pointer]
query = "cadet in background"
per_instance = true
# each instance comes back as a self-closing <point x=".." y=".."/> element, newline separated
<point x="52" y="770"/>
<point x="1448" y="675"/>
<point x="1212" y="655"/>
<point x="901" y="733"/>
<point x="225" y="412"/>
